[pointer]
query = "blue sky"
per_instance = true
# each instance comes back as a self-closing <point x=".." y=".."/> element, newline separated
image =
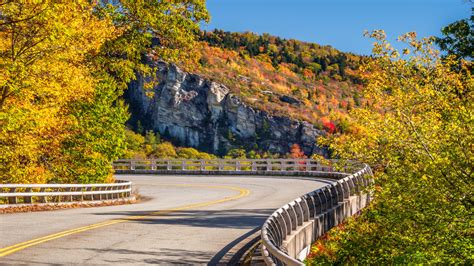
<point x="339" y="23"/>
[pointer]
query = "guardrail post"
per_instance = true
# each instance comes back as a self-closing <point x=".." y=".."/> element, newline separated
<point x="183" y="165"/>
<point x="44" y="199"/>
<point x="153" y="164"/>
<point x="132" y="165"/>
<point x="168" y="165"/>
<point x="89" y="196"/>
<point x="12" y="200"/>
<point x="269" y="168"/>
<point x="237" y="166"/>
<point x="201" y="164"/>
<point x="82" y="193"/>
<point x="254" y="167"/>
<point x="27" y="199"/>
<point x="55" y="198"/>
<point x="308" y="165"/>
<point x="220" y="166"/>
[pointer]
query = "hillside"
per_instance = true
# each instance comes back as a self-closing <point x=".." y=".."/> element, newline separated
<point x="246" y="91"/>
<point x="304" y="81"/>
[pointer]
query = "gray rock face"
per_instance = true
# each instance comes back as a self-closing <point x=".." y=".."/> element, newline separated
<point x="196" y="112"/>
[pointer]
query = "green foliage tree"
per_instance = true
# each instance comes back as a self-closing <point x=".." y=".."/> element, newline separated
<point x="96" y="140"/>
<point x="152" y="138"/>
<point x="458" y="38"/>
<point x="416" y="132"/>
<point x="134" y="141"/>
<point x="253" y="155"/>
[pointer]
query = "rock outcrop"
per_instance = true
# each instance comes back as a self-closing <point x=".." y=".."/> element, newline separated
<point x="193" y="111"/>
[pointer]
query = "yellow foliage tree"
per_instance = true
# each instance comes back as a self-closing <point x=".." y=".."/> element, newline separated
<point x="416" y="132"/>
<point x="44" y="50"/>
<point x="64" y="66"/>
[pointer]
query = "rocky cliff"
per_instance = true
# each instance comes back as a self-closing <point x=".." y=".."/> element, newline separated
<point x="196" y="112"/>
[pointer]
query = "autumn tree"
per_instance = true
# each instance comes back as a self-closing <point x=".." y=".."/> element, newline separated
<point x="236" y="154"/>
<point x="416" y="133"/>
<point x="44" y="50"/>
<point x="165" y="150"/>
<point x="191" y="153"/>
<point x="64" y="67"/>
<point x="296" y="152"/>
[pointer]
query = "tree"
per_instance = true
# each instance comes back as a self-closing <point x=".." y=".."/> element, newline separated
<point x="416" y="133"/>
<point x="64" y="67"/>
<point x="296" y="152"/>
<point x="165" y="30"/>
<point x="134" y="141"/>
<point x="253" y="155"/>
<point x="165" y="150"/>
<point x="44" y="55"/>
<point x="236" y="154"/>
<point x="458" y="38"/>
<point x="134" y="145"/>
<point x="152" y="139"/>
<point x="191" y="153"/>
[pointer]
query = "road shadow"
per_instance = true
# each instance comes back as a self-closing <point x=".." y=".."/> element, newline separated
<point x="251" y="219"/>
<point x="166" y="256"/>
<point x="232" y="218"/>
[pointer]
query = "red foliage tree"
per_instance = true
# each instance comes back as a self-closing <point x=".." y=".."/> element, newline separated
<point x="296" y="152"/>
<point x="329" y="126"/>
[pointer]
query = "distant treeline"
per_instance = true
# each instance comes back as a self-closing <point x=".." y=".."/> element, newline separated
<point x="304" y="56"/>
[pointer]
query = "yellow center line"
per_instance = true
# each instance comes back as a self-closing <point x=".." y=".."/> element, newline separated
<point x="20" y="246"/>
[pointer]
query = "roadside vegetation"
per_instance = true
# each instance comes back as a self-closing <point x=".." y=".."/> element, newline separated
<point x="416" y="133"/>
<point x="150" y="145"/>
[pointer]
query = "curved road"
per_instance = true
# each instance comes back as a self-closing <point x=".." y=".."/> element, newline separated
<point x="185" y="219"/>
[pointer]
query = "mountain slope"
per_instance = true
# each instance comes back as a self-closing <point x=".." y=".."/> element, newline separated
<point x="305" y="81"/>
<point x="284" y="92"/>
<point x="196" y="112"/>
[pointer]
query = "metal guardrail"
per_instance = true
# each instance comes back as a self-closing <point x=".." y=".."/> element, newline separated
<point x="55" y="193"/>
<point x="288" y="233"/>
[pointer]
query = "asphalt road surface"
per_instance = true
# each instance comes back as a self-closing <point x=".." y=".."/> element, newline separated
<point x="186" y="219"/>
